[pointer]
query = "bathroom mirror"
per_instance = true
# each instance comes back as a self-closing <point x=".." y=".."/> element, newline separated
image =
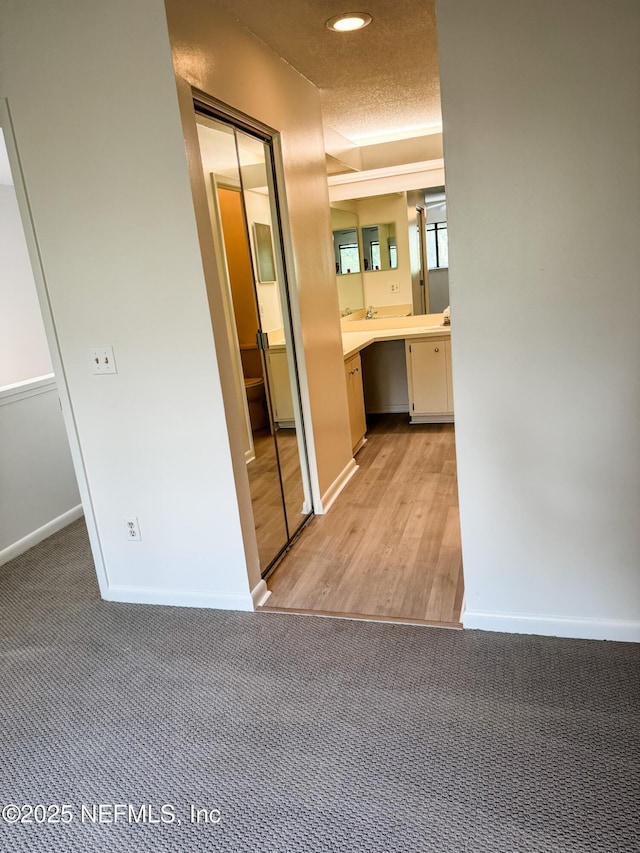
<point x="346" y="251"/>
<point x="379" y="248"/>
<point x="264" y="252"/>
<point x="346" y="248"/>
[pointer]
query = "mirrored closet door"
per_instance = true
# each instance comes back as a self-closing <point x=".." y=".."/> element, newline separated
<point x="244" y="218"/>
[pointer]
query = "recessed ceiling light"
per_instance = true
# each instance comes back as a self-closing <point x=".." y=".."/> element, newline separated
<point x="348" y="22"/>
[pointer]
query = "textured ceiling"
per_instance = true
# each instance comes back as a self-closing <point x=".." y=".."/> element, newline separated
<point x="381" y="80"/>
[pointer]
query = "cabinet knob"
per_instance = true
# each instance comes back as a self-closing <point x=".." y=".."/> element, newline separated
<point x="436" y="349"/>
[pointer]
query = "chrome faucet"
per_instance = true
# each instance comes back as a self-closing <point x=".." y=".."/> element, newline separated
<point x="346" y="312"/>
<point x="370" y="313"/>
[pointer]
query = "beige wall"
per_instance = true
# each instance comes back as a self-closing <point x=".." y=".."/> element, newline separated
<point x="256" y="82"/>
<point x="381" y="210"/>
<point x="541" y="109"/>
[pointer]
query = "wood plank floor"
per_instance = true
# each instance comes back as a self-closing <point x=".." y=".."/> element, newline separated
<point x="390" y="545"/>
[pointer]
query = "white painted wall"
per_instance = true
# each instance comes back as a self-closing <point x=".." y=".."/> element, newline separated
<point x="38" y="490"/>
<point x="24" y="353"/>
<point x="123" y="267"/>
<point x="541" y="107"/>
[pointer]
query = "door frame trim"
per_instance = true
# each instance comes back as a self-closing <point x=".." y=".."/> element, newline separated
<point x="44" y="299"/>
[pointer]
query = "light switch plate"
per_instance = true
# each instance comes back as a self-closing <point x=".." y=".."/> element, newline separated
<point x="102" y="360"/>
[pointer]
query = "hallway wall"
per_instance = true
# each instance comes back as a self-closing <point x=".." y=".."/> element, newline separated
<point x="541" y="107"/>
<point x="103" y="154"/>
<point x="92" y="95"/>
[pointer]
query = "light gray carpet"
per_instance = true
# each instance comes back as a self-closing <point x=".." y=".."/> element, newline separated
<point x="308" y="734"/>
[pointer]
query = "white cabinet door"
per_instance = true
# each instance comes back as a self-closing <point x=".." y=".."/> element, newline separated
<point x="429" y="380"/>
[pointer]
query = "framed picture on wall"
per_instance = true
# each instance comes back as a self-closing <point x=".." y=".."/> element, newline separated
<point x="264" y="252"/>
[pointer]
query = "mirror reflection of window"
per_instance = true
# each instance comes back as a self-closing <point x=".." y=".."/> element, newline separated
<point x="349" y="258"/>
<point x="437" y="245"/>
<point x="380" y="252"/>
<point x="374" y="254"/>
<point x="436" y="229"/>
<point x="346" y="251"/>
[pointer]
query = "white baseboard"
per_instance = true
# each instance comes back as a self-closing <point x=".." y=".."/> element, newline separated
<point x="260" y="594"/>
<point x="360" y="444"/>
<point x="551" y="626"/>
<point x="41" y="533"/>
<point x="336" y="487"/>
<point x="178" y="598"/>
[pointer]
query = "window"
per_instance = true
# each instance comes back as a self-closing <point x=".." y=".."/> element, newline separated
<point x="374" y="252"/>
<point x="349" y="258"/>
<point x="437" y="245"/>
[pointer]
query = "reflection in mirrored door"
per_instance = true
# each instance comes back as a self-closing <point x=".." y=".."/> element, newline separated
<point x="240" y="190"/>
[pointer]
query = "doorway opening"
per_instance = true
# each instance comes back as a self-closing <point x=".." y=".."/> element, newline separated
<point x="238" y="170"/>
<point x="39" y="443"/>
<point x="390" y="548"/>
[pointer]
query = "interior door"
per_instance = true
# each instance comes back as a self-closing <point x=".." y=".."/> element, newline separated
<point x="272" y="301"/>
<point x="245" y="225"/>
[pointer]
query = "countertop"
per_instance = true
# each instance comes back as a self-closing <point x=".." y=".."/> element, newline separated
<point x="371" y="331"/>
<point x="364" y="332"/>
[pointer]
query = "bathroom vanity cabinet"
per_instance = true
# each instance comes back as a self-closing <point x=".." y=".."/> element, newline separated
<point x="420" y="364"/>
<point x="355" y="394"/>
<point x="429" y="380"/>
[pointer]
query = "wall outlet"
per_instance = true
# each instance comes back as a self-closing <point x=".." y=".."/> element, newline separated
<point x="102" y="360"/>
<point x="394" y="288"/>
<point x="133" y="529"/>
